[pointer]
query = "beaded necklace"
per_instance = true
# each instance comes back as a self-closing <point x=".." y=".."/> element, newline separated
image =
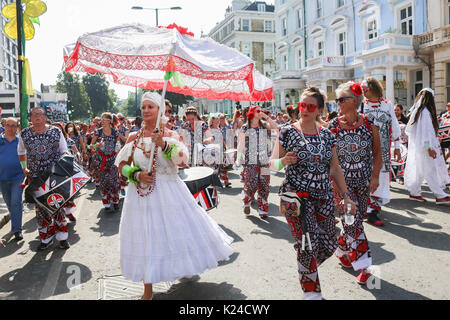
<point x="140" y="137"/>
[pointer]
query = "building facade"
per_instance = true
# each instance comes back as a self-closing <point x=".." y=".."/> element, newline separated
<point x="249" y="27"/>
<point x="326" y="43"/>
<point x="434" y="48"/>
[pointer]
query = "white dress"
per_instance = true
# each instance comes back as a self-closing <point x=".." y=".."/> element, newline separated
<point x="166" y="235"/>
<point x="419" y="165"/>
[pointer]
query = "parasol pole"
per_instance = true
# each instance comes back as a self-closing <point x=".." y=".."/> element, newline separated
<point x="162" y="109"/>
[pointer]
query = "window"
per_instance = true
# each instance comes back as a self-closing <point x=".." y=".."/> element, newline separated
<point x="284" y="26"/>
<point x="319" y="8"/>
<point x="406" y="22"/>
<point x="299" y="59"/>
<point x="342" y="43"/>
<point x="245" y="25"/>
<point x="340" y="3"/>
<point x="419" y="75"/>
<point x="261" y="7"/>
<point x="299" y="14"/>
<point x="247" y="49"/>
<point x="372" y="31"/>
<point x="268" y="51"/>
<point x="320" y="48"/>
<point x="285" y="62"/>
<point x="267" y="26"/>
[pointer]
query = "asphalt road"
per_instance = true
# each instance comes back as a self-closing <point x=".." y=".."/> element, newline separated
<point x="410" y="253"/>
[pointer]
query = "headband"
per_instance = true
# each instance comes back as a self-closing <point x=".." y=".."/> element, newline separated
<point x="154" y="97"/>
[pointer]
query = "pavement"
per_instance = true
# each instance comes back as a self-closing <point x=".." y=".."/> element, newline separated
<point x="410" y="254"/>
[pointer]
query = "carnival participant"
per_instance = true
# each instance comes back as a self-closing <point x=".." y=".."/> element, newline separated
<point x="194" y="131"/>
<point x="161" y="239"/>
<point x="254" y="155"/>
<point x="228" y="136"/>
<point x="73" y="133"/>
<point x="359" y="153"/>
<point x="123" y="136"/>
<point x="169" y="120"/>
<point x="11" y="175"/>
<point x="136" y="125"/>
<point x="401" y="118"/>
<point x="425" y="158"/>
<point x="293" y="113"/>
<point x="381" y="113"/>
<point x="308" y="150"/>
<point x="40" y="146"/>
<point x="109" y="183"/>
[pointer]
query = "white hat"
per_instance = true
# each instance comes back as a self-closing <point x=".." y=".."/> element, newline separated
<point x="154" y="97"/>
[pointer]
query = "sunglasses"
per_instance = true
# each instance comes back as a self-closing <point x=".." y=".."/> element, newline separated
<point x="307" y="106"/>
<point x="342" y="99"/>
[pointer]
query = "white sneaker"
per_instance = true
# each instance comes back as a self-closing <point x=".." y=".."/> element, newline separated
<point x="312" y="296"/>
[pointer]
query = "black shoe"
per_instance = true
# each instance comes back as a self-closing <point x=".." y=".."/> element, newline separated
<point x="228" y="185"/>
<point x="44" y="246"/>
<point x="18" y="236"/>
<point x="64" y="245"/>
<point x="372" y="218"/>
<point x="72" y="218"/>
<point x="116" y="207"/>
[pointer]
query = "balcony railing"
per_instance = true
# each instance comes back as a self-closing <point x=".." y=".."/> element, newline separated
<point x="286" y="74"/>
<point x="434" y="38"/>
<point x="326" y="62"/>
<point x="388" y="41"/>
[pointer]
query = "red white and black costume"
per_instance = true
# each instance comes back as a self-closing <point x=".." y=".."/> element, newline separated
<point x="42" y="150"/>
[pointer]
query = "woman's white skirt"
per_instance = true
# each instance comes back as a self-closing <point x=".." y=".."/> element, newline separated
<point x="167" y="235"/>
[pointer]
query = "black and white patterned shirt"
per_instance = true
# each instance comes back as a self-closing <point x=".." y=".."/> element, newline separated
<point x="42" y="150"/>
<point x="354" y="150"/>
<point x="312" y="172"/>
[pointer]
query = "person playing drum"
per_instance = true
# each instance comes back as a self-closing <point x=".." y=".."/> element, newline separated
<point x="164" y="234"/>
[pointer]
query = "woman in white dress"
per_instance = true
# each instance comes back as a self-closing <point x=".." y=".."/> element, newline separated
<point x="425" y="159"/>
<point x="164" y="234"/>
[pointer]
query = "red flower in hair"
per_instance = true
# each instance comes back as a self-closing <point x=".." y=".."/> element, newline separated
<point x="251" y="112"/>
<point x="356" y="89"/>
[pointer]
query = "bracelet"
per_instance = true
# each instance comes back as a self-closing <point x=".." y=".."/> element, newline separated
<point x="427" y="145"/>
<point x="346" y="194"/>
<point x="278" y="164"/>
<point x="173" y="150"/>
<point x="129" y="172"/>
<point x="23" y="164"/>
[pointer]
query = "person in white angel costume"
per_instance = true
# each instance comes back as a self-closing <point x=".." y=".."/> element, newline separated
<point x="425" y="158"/>
<point x="164" y="234"/>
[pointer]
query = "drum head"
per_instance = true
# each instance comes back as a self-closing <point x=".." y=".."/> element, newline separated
<point x="195" y="173"/>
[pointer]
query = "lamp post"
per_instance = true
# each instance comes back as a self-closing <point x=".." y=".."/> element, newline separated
<point x="156" y="10"/>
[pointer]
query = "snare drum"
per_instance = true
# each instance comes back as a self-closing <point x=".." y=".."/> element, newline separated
<point x="202" y="183"/>
<point x="444" y="134"/>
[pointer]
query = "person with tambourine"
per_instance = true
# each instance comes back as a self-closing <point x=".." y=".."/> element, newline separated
<point x="164" y="234"/>
<point x="359" y="152"/>
<point x="309" y="153"/>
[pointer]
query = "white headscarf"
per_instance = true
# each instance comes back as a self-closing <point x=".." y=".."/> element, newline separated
<point x="414" y="109"/>
<point x="152" y="97"/>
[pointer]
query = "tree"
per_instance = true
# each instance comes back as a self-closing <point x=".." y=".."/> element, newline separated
<point x="97" y="88"/>
<point x="78" y="100"/>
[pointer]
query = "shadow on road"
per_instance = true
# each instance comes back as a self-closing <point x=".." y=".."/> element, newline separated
<point x="108" y="223"/>
<point x="272" y="228"/>
<point x="397" y="225"/>
<point x="379" y="255"/>
<point x="202" y="291"/>
<point x="43" y="277"/>
<point x="389" y="291"/>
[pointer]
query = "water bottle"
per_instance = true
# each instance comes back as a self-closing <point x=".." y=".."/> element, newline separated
<point x="349" y="218"/>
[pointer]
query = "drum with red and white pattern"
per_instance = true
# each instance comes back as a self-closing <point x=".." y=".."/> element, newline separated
<point x="444" y="133"/>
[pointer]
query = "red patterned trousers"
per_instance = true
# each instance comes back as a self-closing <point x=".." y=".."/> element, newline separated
<point x="256" y="178"/>
<point x="50" y="226"/>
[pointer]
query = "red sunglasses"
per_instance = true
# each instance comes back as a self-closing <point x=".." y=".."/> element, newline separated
<point x="307" y="106"/>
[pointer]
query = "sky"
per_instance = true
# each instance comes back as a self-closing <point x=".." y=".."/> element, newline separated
<point x="66" y="20"/>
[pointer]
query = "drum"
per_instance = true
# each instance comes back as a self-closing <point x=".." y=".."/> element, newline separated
<point x="444" y="134"/>
<point x="398" y="168"/>
<point x="54" y="189"/>
<point x="202" y="183"/>
<point x="229" y="159"/>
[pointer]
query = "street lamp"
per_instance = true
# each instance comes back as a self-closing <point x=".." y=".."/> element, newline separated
<point x="156" y="10"/>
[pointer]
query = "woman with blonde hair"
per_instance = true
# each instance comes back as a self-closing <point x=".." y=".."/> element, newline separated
<point x="381" y="112"/>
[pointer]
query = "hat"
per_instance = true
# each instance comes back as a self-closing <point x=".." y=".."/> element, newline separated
<point x="154" y="97"/>
<point x="191" y="110"/>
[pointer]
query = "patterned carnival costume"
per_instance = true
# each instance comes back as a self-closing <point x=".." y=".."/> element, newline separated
<point x="42" y="150"/>
<point x="193" y="136"/>
<point x="123" y="180"/>
<point x="354" y="151"/>
<point x="382" y="114"/>
<point x="108" y="173"/>
<point x="254" y="148"/>
<point x="311" y="175"/>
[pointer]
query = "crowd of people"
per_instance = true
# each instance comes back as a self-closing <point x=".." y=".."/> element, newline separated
<point x="335" y="165"/>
